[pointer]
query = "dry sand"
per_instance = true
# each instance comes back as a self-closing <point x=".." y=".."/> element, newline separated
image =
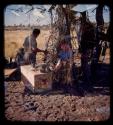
<point x="20" y="106"/>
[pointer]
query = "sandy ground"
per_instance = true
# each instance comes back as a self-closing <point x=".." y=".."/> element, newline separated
<point x="54" y="106"/>
<point x="81" y="103"/>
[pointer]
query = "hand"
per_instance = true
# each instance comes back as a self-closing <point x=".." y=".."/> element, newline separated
<point x="34" y="50"/>
<point x="45" y="52"/>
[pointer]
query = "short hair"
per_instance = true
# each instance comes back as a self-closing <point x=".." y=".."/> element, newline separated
<point x="36" y="31"/>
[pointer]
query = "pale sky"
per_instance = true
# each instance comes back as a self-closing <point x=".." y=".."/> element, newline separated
<point x="12" y="17"/>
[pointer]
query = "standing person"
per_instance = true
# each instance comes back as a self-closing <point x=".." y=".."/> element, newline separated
<point x="94" y="64"/>
<point x="30" y="47"/>
<point x="103" y="50"/>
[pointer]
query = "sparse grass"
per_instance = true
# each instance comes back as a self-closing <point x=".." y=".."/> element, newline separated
<point x="14" y="40"/>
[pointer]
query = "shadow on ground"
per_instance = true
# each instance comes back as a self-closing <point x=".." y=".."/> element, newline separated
<point x="97" y="86"/>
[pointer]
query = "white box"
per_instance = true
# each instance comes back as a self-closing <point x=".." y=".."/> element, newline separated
<point x="36" y="80"/>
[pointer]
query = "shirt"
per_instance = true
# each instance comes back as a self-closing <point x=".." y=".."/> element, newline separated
<point x="29" y="43"/>
<point x="65" y="52"/>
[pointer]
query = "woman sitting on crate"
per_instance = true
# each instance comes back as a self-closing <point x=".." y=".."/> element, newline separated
<point x="63" y="67"/>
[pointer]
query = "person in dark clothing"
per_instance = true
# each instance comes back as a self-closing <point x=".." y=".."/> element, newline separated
<point x="94" y="65"/>
<point x="103" y="49"/>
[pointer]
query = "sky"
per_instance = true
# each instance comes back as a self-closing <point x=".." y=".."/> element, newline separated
<point x="12" y="17"/>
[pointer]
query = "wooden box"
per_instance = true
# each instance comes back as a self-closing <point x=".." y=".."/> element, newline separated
<point x="36" y="81"/>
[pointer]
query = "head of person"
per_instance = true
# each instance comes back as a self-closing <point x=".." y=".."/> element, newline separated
<point x="36" y="32"/>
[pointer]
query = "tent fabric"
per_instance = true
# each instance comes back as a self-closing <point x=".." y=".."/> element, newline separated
<point x="84" y="7"/>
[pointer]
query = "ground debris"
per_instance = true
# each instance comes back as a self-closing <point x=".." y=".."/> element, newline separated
<point x="58" y="107"/>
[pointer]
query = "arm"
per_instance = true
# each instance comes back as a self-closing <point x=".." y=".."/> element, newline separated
<point x="39" y="50"/>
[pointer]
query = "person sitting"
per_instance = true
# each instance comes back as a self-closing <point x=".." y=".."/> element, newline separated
<point x="63" y="67"/>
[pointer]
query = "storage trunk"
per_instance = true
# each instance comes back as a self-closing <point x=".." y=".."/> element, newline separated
<point x="36" y="81"/>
